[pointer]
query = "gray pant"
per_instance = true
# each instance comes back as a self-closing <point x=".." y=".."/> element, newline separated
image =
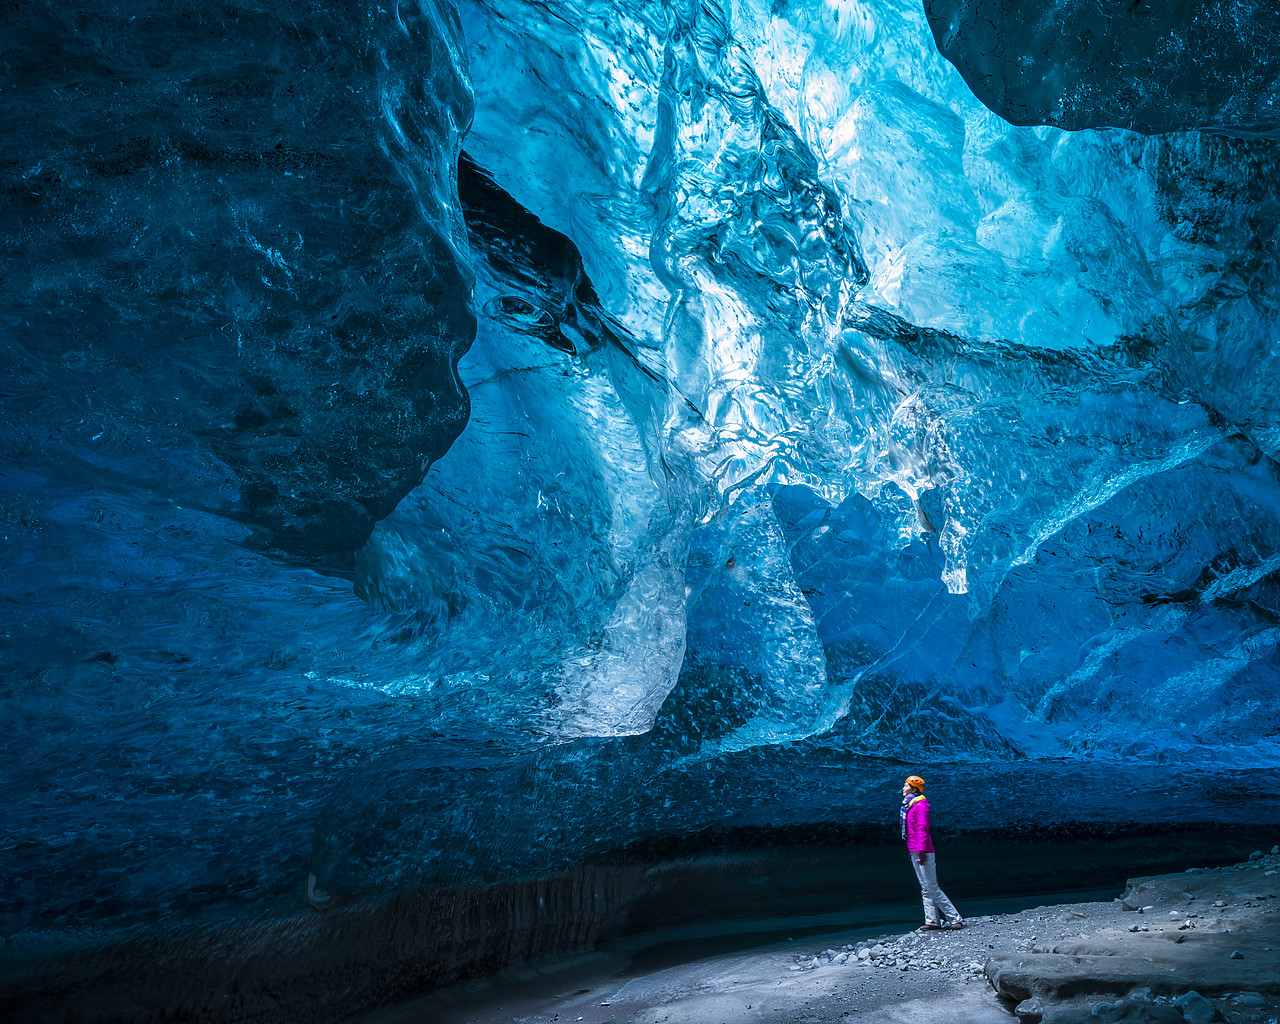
<point x="937" y="908"/>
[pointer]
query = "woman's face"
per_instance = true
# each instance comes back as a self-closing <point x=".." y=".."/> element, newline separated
<point x="906" y="789"/>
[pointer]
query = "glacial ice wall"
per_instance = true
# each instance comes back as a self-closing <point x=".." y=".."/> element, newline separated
<point x="235" y="292"/>
<point x="1025" y="338"/>
<point x="231" y="229"/>
<point x="817" y="421"/>
<point x="1147" y="67"/>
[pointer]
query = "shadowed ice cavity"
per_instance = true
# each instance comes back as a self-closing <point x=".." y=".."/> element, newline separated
<point x="1149" y="67"/>
<point x="232" y="234"/>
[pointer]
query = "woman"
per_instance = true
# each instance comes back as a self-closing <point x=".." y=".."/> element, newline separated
<point x="914" y="818"/>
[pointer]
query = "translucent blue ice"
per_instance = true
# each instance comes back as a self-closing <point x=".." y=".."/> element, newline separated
<point x="1026" y="354"/>
<point x="818" y="421"/>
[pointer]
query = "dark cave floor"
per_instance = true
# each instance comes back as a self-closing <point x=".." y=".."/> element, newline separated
<point x="1090" y="958"/>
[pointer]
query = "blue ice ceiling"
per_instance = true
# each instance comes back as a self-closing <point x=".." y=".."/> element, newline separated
<point x="444" y="443"/>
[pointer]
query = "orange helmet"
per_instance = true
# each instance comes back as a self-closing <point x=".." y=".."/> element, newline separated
<point x="915" y="782"/>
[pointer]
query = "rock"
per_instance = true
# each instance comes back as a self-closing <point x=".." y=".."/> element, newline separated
<point x="1080" y="969"/>
<point x="1195" y="1007"/>
<point x="1128" y="1011"/>
<point x="1029" y="1011"/>
<point x="1256" y="855"/>
<point x="1236" y="955"/>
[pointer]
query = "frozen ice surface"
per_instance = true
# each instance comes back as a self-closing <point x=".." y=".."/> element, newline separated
<point x="1150" y="67"/>
<point x="818" y="421"/>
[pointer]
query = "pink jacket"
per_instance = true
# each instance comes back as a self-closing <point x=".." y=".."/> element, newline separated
<point x="918" y="838"/>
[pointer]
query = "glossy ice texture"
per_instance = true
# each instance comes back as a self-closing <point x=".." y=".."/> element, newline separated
<point x="442" y="444"/>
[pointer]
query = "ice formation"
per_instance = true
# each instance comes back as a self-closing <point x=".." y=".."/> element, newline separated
<point x="442" y="443"/>
<point x="1149" y="67"/>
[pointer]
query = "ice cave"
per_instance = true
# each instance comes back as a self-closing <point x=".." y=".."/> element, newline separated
<point x="484" y="476"/>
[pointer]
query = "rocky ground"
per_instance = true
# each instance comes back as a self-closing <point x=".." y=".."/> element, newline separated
<point x="1199" y="947"/>
<point x="1196" y="947"/>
